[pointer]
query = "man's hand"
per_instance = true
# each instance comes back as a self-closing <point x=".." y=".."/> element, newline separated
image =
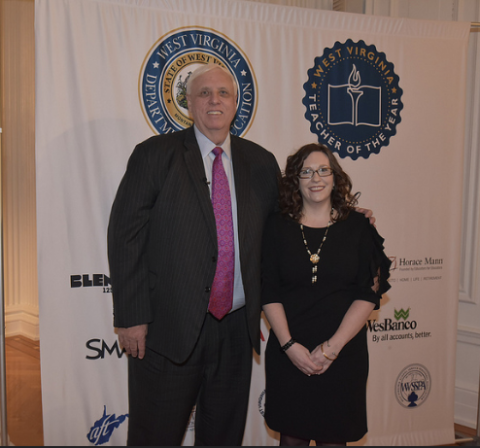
<point x="368" y="214"/>
<point x="132" y="339"/>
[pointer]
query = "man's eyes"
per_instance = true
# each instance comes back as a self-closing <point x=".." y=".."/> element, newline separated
<point x="205" y="93"/>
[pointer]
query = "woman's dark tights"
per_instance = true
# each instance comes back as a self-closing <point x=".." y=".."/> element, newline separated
<point x="295" y="441"/>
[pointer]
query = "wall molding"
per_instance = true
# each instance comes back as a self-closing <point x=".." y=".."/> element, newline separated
<point x="19" y="321"/>
<point x="466" y="403"/>
<point x="468" y="335"/>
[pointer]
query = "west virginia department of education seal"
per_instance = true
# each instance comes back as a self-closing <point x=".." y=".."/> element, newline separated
<point x="169" y="63"/>
<point x="353" y="99"/>
<point x="413" y="385"/>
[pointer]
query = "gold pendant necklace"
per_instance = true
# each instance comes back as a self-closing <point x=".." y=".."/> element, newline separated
<point x="315" y="258"/>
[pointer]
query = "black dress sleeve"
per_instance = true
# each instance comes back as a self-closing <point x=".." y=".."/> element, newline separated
<point x="374" y="266"/>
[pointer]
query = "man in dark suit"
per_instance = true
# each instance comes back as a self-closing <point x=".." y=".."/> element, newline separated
<point x="165" y="258"/>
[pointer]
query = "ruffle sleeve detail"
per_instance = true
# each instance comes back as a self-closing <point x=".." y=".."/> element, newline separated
<point x="380" y="263"/>
<point x="378" y="266"/>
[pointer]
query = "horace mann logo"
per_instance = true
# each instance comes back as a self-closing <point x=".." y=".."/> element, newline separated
<point x="170" y="62"/>
<point x="353" y="99"/>
<point x="419" y="269"/>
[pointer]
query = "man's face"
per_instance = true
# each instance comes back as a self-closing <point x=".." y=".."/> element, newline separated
<point x="212" y="104"/>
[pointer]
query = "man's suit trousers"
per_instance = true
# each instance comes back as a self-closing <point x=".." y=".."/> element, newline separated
<point x="215" y="379"/>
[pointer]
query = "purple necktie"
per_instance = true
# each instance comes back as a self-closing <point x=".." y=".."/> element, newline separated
<point x="222" y="289"/>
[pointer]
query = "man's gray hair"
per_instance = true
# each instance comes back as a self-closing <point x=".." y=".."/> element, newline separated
<point x="204" y="68"/>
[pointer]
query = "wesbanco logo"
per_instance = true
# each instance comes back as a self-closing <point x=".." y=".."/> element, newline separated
<point x="387" y="326"/>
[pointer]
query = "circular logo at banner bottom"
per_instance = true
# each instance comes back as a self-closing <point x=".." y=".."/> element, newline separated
<point x="261" y="403"/>
<point x="413" y="386"/>
<point x="353" y="99"/>
<point x="170" y="62"/>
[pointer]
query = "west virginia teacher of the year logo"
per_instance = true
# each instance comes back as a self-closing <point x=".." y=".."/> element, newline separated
<point x="169" y="63"/>
<point x="353" y="99"/>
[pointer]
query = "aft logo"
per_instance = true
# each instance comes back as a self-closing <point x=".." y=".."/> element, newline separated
<point x="168" y="65"/>
<point x="353" y="99"/>
<point x="413" y="385"/>
<point x="102" y="429"/>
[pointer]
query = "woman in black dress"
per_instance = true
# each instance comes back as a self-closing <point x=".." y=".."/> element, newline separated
<point x="324" y="271"/>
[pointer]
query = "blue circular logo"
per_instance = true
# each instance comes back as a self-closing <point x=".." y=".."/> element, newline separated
<point x="413" y="386"/>
<point x="169" y="63"/>
<point x="353" y="99"/>
<point x="261" y="403"/>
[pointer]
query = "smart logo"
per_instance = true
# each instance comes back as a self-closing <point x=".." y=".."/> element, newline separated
<point x="102" y="430"/>
<point x="413" y="385"/>
<point x="100" y="348"/>
<point x="353" y="99"/>
<point x="169" y="63"/>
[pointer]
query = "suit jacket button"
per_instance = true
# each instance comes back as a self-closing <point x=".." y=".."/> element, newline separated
<point x="207" y="289"/>
<point x="214" y="259"/>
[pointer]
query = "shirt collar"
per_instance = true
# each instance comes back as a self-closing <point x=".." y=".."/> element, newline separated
<point x="206" y="145"/>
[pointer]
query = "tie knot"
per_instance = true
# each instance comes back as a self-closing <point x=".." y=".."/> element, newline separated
<point x="217" y="150"/>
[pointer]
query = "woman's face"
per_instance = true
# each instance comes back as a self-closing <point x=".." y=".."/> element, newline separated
<point x="317" y="190"/>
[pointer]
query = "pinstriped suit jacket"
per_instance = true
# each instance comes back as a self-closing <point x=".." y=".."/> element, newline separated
<point x="162" y="243"/>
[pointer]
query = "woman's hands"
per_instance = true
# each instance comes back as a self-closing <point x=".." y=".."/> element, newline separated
<point x="310" y="363"/>
<point x="319" y="358"/>
<point x="302" y="359"/>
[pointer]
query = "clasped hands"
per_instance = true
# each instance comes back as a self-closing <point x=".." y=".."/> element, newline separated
<point x="310" y="363"/>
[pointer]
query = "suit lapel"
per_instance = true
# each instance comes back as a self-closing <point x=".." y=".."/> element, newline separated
<point x="241" y="172"/>
<point x="196" y="170"/>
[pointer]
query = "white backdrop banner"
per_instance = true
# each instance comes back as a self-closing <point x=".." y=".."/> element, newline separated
<point x="387" y="95"/>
